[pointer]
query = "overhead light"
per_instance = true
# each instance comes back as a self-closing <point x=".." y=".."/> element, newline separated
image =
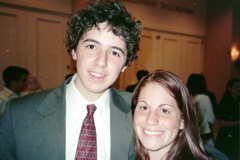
<point x="235" y="54"/>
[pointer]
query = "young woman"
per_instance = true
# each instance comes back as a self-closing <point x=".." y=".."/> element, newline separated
<point x="165" y="120"/>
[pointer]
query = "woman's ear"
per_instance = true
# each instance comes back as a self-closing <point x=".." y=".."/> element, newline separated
<point x="181" y="124"/>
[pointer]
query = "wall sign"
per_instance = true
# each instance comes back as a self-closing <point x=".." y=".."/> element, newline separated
<point x="176" y="8"/>
<point x="150" y="3"/>
<point x="165" y="6"/>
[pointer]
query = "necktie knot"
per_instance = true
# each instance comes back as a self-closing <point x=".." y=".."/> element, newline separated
<point x="91" y="109"/>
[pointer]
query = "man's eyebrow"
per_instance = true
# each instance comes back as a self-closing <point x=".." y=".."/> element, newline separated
<point x="91" y="40"/>
<point x="114" y="47"/>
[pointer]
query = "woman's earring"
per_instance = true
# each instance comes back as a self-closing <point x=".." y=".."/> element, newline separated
<point x="180" y="132"/>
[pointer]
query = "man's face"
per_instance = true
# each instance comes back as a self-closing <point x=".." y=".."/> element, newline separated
<point x="20" y="85"/>
<point x="100" y="57"/>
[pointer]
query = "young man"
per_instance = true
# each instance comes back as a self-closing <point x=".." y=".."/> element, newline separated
<point x="103" y="39"/>
<point x="15" y="82"/>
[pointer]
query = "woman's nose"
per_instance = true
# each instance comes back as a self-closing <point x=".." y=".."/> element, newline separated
<point x="152" y="118"/>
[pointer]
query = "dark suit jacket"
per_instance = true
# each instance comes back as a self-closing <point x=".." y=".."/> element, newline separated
<point x="33" y="127"/>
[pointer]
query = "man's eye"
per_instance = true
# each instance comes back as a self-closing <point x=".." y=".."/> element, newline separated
<point x="115" y="53"/>
<point x="91" y="46"/>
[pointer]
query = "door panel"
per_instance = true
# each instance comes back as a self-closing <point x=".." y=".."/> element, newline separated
<point x="192" y="57"/>
<point x="171" y="53"/>
<point x="47" y="55"/>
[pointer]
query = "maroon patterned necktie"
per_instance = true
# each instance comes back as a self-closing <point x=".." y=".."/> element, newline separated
<point x="87" y="143"/>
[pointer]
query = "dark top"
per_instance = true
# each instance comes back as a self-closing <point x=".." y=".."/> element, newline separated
<point x="131" y="88"/>
<point x="228" y="108"/>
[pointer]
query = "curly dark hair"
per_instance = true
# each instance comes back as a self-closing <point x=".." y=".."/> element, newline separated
<point x="115" y="14"/>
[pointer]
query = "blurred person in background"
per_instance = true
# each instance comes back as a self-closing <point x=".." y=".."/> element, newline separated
<point x="17" y="83"/>
<point x="227" y="139"/>
<point x="196" y="86"/>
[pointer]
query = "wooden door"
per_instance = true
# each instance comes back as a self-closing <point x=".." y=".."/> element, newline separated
<point x="47" y="55"/>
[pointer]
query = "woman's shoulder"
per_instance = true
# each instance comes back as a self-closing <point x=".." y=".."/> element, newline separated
<point x="201" y="96"/>
<point x="214" y="153"/>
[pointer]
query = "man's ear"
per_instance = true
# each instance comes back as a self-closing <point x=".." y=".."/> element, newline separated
<point x="74" y="54"/>
<point x="124" y="68"/>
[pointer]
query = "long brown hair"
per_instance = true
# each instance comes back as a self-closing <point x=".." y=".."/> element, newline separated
<point x="187" y="144"/>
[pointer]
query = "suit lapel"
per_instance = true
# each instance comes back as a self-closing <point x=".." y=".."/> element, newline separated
<point x="121" y="126"/>
<point x="53" y="111"/>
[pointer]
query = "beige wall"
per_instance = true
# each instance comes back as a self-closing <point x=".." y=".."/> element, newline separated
<point x="155" y="16"/>
<point x="186" y="17"/>
<point x="61" y="6"/>
<point x="218" y="67"/>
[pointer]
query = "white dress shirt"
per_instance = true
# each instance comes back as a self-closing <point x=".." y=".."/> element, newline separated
<point x="5" y="95"/>
<point x="76" y="111"/>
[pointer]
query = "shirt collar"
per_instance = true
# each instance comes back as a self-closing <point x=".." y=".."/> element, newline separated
<point x="10" y="93"/>
<point x="102" y="103"/>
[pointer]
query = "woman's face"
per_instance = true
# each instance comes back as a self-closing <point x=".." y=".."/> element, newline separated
<point x="157" y="118"/>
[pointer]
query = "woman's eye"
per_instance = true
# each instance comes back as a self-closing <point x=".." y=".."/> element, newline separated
<point x="165" y="111"/>
<point x="143" y="107"/>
